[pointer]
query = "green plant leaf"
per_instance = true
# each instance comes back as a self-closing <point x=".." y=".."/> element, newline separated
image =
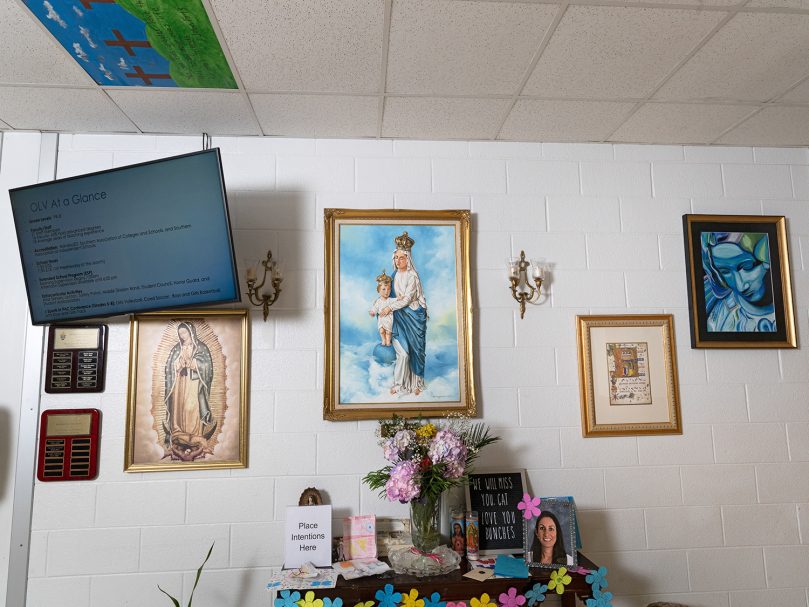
<point x="173" y="600"/>
<point x="199" y="573"/>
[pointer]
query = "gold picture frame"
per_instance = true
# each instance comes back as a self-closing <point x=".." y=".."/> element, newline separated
<point x="200" y="359"/>
<point x="420" y="363"/>
<point x="628" y="375"/>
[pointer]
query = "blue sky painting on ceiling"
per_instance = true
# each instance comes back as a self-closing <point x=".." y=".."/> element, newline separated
<point x="162" y="43"/>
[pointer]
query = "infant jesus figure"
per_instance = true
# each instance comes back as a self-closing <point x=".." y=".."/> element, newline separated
<point x="384" y="322"/>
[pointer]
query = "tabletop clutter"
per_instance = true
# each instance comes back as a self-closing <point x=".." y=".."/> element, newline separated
<point x="366" y="540"/>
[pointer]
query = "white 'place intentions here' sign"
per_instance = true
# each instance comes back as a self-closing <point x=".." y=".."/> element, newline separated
<point x="308" y="536"/>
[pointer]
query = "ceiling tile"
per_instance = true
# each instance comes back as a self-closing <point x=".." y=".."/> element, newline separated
<point x="305" y="45"/>
<point x="463" y="48"/>
<point x="700" y="3"/>
<point x="4" y="126"/>
<point x="804" y="4"/>
<point x="773" y="126"/>
<point x="800" y="94"/>
<point x="60" y="109"/>
<point x="679" y="122"/>
<point x="616" y="52"/>
<point x="316" y="115"/>
<point x="555" y="121"/>
<point x="752" y="58"/>
<point x="30" y="55"/>
<point x="436" y="118"/>
<point x="184" y="111"/>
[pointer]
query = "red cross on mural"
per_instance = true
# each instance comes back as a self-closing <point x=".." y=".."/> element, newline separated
<point x="127" y="44"/>
<point x="88" y="4"/>
<point x="147" y="78"/>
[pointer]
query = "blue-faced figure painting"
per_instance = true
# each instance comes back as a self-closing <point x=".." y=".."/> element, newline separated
<point x="738" y="282"/>
<point x="408" y="348"/>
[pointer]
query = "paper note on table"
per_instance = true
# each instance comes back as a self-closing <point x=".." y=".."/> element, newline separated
<point x="359" y="537"/>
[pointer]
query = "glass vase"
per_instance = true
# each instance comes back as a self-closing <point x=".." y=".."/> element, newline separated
<point x="424" y="523"/>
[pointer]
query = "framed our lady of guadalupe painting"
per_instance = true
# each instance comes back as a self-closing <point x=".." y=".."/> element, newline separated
<point x="398" y="314"/>
<point x="187" y="401"/>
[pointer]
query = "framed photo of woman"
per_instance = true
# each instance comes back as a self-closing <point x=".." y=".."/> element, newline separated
<point x="739" y="289"/>
<point x="398" y="314"/>
<point x="550" y="538"/>
<point x="187" y="399"/>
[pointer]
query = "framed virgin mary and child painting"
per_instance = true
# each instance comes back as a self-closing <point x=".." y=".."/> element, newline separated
<point x="398" y="314"/>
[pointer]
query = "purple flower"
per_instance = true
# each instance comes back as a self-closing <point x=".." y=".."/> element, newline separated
<point x="403" y="484"/>
<point x="448" y="449"/>
<point x="391" y="452"/>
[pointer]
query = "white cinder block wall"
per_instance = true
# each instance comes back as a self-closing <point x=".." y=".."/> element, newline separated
<point x="718" y="516"/>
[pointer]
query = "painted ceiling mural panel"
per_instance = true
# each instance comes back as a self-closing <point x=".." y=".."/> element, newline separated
<point x="153" y="43"/>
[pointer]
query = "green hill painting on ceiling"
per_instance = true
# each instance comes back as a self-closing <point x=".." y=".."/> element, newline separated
<point x="153" y="43"/>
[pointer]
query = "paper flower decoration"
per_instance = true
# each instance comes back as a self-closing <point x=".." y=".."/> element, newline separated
<point x="597" y="579"/>
<point x="559" y="579"/>
<point x="387" y="597"/>
<point x="365" y="604"/>
<point x="529" y="506"/>
<point x="483" y="601"/>
<point x="412" y="599"/>
<point x="288" y="599"/>
<point x="434" y="600"/>
<point x="511" y="598"/>
<point x="309" y="600"/>
<point x="458" y="604"/>
<point x="338" y="602"/>
<point x="600" y="599"/>
<point x="536" y="594"/>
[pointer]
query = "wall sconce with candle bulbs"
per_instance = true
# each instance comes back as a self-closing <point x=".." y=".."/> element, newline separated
<point x="255" y="293"/>
<point x="521" y="288"/>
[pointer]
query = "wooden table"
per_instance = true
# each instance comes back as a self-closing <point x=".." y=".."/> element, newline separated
<point x="454" y="587"/>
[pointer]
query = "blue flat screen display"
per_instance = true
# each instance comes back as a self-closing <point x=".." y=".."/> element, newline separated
<point x="144" y="237"/>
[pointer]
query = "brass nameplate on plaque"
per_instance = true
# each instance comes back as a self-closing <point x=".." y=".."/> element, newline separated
<point x="74" y="339"/>
<point x="69" y="425"/>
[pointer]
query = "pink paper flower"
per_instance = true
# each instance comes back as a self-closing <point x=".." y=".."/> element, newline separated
<point x="511" y="598"/>
<point x="458" y="604"/>
<point x="530" y="506"/>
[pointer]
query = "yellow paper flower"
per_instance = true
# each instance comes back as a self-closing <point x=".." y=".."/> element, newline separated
<point x="365" y="604"/>
<point x="559" y="579"/>
<point x="427" y="431"/>
<point x="483" y="601"/>
<point x="412" y="600"/>
<point x="309" y="600"/>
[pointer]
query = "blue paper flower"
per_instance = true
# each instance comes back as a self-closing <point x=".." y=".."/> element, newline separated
<point x="600" y="599"/>
<point x="536" y="594"/>
<point x="288" y="599"/>
<point x="597" y="579"/>
<point x="434" y="600"/>
<point x="387" y="597"/>
<point x="338" y="602"/>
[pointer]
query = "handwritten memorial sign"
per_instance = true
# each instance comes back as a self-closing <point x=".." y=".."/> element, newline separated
<point x="495" y="495"/>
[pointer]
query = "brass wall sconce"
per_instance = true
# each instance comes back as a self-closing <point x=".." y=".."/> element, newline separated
<point x="257" y="297"/>
<point x="521" y="288"/>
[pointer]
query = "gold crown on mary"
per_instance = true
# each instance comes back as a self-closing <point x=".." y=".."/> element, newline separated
<point x="383" y="279"/>
<point x="404" y="242"/>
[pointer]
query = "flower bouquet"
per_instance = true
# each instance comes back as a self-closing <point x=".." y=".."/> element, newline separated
<point x="425" y="461"/>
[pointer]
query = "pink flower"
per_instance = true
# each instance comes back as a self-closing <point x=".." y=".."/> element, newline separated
<point x="403" y="485"/>
<point x="530" y="506"/>
<point x="448" y="449"/>
<point x="512" y="599"/>
<point x="458" y="604"/>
